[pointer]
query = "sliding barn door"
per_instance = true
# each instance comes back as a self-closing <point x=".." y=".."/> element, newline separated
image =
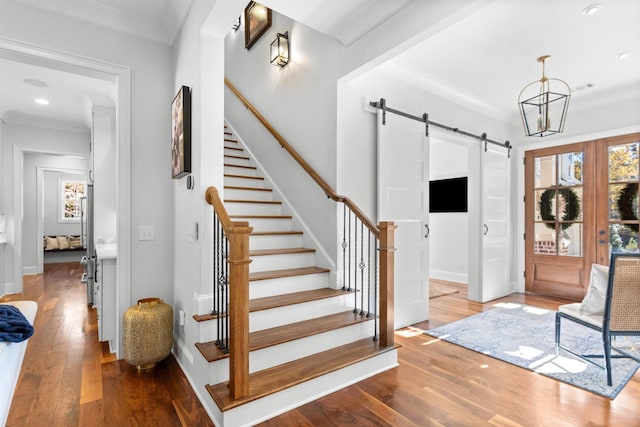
<point x="403" y="197"/>
<point x="495" y="204"/>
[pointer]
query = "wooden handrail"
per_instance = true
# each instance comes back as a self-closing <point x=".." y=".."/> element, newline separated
<point x="213" y="198"/>
<point x="298" y="158"/>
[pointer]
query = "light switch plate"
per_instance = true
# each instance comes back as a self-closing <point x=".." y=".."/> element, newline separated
<point x="146" y="232"/>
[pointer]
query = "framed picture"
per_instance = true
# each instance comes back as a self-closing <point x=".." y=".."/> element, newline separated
<point x="181" y="133"/>
<point x="257" y="20"/>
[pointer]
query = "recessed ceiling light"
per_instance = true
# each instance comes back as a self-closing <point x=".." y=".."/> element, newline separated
<point x="624" y="55"/>
<point x="592" y="10"/>
<point x="35" y="82"/>
<point x="42" y="101"/>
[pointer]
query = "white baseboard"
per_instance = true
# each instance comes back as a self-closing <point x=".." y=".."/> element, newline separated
<point x="29" y="270"/>
<point x="449" y="276"/>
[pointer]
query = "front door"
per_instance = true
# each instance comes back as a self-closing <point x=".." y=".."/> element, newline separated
<point x="559" y="225"/>
<point x="581" y="203"/>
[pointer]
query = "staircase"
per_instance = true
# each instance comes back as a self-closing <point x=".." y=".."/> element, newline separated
<point x="305" y="340"/>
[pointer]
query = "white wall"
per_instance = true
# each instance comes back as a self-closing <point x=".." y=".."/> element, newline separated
<point x="2" y="211"/>
<point x="150" y="201"/>
<point x="104" y="174"/>
<point x="299" y="101"/>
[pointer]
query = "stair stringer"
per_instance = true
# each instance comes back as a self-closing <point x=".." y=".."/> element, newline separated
<point x="309" y="239"/>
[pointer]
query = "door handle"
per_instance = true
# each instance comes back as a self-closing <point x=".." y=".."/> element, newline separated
<point x="428" y="231"/>
<point x="486" y="229"/>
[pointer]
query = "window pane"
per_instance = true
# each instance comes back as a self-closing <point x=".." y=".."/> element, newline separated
<point x="545" y="240"/>
<point x="570" y="204"/>
<point x="570" y="239"/>
<point x="570" y="168"/>
<point x="623" y="162"/>
<point x="623" y="201"/>
<point x="545" y="171"/>
<point x="623" y="237"/>
<point x="545" y="206"/>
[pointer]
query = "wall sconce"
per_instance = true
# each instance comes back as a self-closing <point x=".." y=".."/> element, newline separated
<point x="280" y="50"/>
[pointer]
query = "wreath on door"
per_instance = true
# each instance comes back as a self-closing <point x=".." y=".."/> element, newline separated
<point x="570" y="212"/>
<point x="626" y="202"/>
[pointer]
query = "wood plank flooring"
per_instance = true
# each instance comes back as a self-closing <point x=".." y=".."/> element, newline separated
<point x="68" y="378"/>
<point x="441" y="384"/>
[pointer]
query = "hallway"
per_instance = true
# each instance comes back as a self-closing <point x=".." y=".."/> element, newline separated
<point x="68" y="378"/>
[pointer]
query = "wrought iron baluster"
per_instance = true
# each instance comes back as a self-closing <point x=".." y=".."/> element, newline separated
<point x="344" y="245"/>
<point x="349" y="263"/>
<point x="355" y="264"/>
<point x="362" y="267"/>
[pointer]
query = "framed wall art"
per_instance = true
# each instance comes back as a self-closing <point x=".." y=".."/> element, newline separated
<point x="181" y="133"/>
<point x="257" y="20"/>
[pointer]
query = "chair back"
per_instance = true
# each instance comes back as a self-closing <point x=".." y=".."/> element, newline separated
<point x="622" y="309"/>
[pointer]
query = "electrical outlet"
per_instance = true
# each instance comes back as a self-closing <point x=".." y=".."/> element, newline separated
<point x="146" y="232"/>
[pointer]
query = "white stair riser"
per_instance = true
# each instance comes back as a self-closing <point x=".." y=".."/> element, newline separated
<point x="279" y="316"/>
<point x="285" y="285"/>
<point x="236" y="161"/>
<point x="286" y="352"/>
<point x="235" y="208"/>
<point x="233" y="170"/>
<point x="277" y="241"/>
<point x="268" y="407"/>
<point x="270" y="224"/>
<point x="265" y="319"/>
<point x="244" y="182"/>
<point x="281" y="261"/>
<point x="237" y="194"/>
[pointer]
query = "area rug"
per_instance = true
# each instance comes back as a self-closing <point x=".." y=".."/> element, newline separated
<point x="440" y="291"/>
<point x="525" y="336"/>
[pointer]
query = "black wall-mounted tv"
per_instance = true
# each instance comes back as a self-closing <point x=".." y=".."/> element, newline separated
<point x="448" y="195"/>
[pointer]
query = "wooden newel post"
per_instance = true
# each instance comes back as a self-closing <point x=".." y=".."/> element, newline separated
<point x="239" y="309"/>
<point x="387" y="270"/>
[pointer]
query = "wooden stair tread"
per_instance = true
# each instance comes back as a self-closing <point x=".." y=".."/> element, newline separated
<point x="289" y="272"/>
<point x="235" y="187"/>
<point x="234" y="148"/>
<point x="243" y="176"/>
<point x="264" y="202"/>
<point x="282" y="251"/>
<point x="231" y="156"/>
<point x="274" y="233"/>
<point x="267" y="303"/>
<point x="240" y="166"/>
<point x="287" y="333"/>
<point x="278" y="378"/>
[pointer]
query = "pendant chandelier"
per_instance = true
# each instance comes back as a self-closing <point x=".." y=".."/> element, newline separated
<point x="543" y="104"/>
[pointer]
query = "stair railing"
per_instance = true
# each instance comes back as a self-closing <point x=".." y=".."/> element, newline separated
<point x="231" y="283"/>
<point x="360" y="275"/>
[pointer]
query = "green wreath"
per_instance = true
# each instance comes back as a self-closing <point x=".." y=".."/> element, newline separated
<point x="570" y="212"/>
<point x="626" y="201"/>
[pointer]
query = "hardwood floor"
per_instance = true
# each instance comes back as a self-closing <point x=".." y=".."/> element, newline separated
<point x="441" y="384"/>
<point x="69" y="379"/>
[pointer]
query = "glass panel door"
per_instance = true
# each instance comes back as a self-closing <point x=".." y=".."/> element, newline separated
<point x="559" y="217"/>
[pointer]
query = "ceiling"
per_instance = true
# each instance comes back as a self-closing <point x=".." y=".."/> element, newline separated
<point x="482" y="60"/>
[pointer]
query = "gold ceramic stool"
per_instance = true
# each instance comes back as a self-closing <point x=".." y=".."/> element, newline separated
<point x="147" y="333"/>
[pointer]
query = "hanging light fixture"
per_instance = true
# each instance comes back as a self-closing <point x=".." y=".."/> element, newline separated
<point x="279" y="54"/>
<point x="543" y="104"/>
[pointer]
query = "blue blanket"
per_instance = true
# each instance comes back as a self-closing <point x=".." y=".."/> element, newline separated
<point x="14" y="327"/>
